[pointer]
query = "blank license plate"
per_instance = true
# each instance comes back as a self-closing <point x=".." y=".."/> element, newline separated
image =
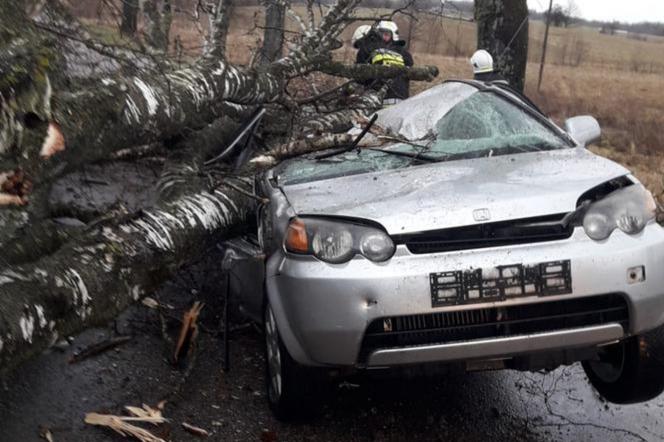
<point x="500" y="283"/>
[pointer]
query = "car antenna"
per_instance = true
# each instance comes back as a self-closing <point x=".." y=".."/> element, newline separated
<point x="355" y="142"/>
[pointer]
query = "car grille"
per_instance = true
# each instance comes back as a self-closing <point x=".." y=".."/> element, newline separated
<point x="506" y="233"/>
<point x="465" y="325"/>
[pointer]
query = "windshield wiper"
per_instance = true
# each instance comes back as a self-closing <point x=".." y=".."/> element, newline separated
<point x="501" y="151"/>
<point x="352" y="145"/>
<point x="413" y="155"/>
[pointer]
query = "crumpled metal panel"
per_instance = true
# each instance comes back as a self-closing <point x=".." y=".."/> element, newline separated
<point x="416" y="118"/>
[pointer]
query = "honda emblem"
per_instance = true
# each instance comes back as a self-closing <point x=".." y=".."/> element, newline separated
<point x="481" y="215"/>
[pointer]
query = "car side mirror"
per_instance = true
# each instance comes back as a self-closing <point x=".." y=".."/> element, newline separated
<point x="584" y="130"/>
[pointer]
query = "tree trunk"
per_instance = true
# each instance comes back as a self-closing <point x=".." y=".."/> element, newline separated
<point x="46" y="130"/>
<point x="96" y="276"/>
<point x="158" y="18"/>
<point x="273" y="37"/>
<point x="129" y="23"/>
<point x="220" y="12"/>
<point x="502" y="29"/>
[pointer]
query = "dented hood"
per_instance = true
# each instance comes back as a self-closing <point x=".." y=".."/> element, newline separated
<point x="442" y="195"/>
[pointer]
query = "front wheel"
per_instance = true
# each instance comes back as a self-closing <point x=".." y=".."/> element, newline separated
<point x="630" y="371"/>
<point x="294" y="392"/>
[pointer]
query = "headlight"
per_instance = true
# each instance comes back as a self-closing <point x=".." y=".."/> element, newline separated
<point x="628" y="209"/>
<point x="337" y="241"/>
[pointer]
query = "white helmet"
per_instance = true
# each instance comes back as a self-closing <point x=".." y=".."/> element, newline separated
<point x="360" y="33"/>
<point x="386" y="25"/>
<point x="482" y="62"/>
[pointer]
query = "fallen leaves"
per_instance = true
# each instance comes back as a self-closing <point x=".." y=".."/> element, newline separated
<point x="14" y="188"/>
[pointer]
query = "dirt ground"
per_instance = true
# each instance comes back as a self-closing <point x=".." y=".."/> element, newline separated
<point x="48" y="392"/>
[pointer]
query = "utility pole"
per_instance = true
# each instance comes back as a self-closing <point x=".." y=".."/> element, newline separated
<point x="546" y="41"/>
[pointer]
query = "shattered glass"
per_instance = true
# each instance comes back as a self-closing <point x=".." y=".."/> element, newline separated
<point x="486" y="121"/>
<point x="452" y="121"/>
<point x="350" y="163"/>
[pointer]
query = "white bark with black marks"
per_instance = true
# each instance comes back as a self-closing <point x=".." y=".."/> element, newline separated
<point x="89" y="279"/>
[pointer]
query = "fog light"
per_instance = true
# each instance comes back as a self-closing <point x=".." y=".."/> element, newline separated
<point x="636" y="274"/>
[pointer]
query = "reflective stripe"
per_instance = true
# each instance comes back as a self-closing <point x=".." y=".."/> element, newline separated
<point x="387" y="57"/>
<point x="388" y="60"/>
<point x="484" y="71"/>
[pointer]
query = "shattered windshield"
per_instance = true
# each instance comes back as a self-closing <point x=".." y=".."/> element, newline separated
<point x="460" y="122"/>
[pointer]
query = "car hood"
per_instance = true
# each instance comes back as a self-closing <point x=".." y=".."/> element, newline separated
<point x="443" y="195"/>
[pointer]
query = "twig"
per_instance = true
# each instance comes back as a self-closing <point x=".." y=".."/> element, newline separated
<point x="98" y="348"/>
<point x="244" y="192"/>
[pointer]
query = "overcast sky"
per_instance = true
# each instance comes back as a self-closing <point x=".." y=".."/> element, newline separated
<point x="621" y="10"/>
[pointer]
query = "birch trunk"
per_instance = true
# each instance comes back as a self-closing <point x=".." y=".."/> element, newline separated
<point x="92" y="279"/>
<point x="47" y="129"/>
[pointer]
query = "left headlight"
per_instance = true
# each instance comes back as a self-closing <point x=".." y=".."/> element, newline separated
<point x="337" y="242"/>
<point x="629" y="209"/>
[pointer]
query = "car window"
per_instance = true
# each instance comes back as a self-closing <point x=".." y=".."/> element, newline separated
<point x="449" y="122"/>
<point x="308" y="169"/>
<point x="488" y="121"/>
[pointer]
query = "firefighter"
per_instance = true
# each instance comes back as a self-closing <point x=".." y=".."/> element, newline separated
<point x="483" y="70"/>
<point x="358" y="37"/>
<point x="381" y="45"/>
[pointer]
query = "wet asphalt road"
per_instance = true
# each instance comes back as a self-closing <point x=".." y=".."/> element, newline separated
<point x="50" y="393"/>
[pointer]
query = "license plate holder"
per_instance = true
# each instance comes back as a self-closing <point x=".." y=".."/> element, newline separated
<point x="500" y="283"/>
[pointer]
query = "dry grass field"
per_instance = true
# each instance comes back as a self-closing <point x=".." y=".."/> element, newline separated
<point x="617" y="79"/>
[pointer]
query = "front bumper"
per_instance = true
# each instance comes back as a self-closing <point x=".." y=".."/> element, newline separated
<point x="323" y="310"/>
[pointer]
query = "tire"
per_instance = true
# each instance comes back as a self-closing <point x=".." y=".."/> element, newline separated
<point x="631" y="371"/>
<point x="294" y="392"/>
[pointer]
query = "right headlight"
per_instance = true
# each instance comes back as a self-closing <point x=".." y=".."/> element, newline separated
<point x="629" y="209"/>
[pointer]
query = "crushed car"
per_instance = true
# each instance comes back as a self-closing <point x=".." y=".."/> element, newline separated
<point x="481" y="236"/>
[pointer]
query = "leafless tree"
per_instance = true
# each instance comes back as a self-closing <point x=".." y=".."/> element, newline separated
<point x="129" y="24"/>
<point x="502" y="29"/>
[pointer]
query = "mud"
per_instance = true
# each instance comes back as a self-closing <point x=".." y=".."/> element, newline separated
<point x="48" y="392"/>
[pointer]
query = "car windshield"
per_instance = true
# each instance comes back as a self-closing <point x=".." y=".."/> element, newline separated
<point x="450" y="122"/>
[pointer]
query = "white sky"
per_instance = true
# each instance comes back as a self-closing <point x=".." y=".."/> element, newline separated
<point x="621" y="10"/>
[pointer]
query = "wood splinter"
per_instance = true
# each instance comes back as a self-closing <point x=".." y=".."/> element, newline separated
<point x="188" y="332"/>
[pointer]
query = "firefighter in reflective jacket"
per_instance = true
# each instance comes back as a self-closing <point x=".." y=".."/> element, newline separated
<point x="381" y="45"/>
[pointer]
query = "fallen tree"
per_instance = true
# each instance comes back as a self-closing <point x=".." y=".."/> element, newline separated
<point x="54" y="284"/>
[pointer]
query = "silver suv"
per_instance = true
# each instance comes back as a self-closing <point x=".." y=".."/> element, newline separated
<point x="480" y="235"/>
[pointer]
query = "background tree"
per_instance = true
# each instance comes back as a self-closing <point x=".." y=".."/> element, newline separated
<point x="158" y="15"/>
<point x="502" y="29"/>
<point x="273" y="36"/>
<point x="129" y="24"/>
